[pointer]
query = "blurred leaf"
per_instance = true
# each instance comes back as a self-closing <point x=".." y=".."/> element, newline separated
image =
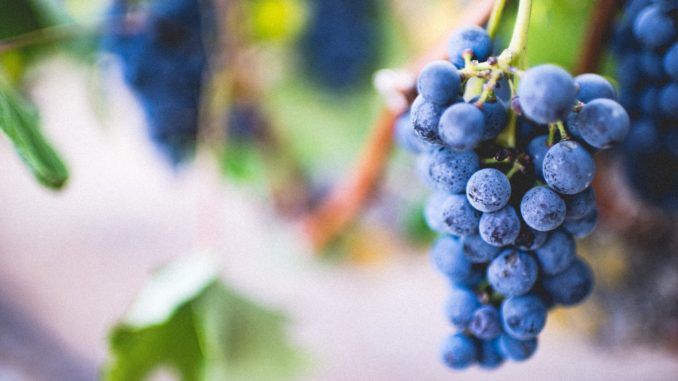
<point x="201" y="330"/>
<point x="19" y="121"/>
<point x="275" y="20"/>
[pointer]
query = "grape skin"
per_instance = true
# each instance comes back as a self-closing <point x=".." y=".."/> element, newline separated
<point x="460" y="307"/>
<point x="523" y="317"/>
<point x="568" y="168"/>
<point x="593" y="86"/>
<point x="512" y="273"/>
<point x="547" y="93"/>
<point x="486" y="323"/>
<point x="517" y="350"/>
<point x="557" y="253"/>
<point x="488" y="190"/>
<point x="439" y="82"/>
<point x="458" y="351"/>
<point x="603" y="123"/>
<point x="449" y="171"/>
<point x="500" y="228"/>
<point x="542" y="209"/>
<point x="474" y="38"/>
<point x="461" y="126"/>
<point x="571" y="286"/>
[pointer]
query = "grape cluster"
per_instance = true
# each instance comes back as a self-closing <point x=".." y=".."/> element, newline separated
<point x="164" y="59"/>
<point x="646" y="49"/>
<point x="512" y="189"/>
<point x="340" y="45"/>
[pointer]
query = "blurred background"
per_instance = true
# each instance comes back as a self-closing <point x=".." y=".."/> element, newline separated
<point x="187" y="242"/>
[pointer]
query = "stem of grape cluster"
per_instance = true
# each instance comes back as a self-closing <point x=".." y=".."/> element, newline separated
<point x="552" y="134"/>
<point x="518" y="45"/>
<point x="517" y="166"/>
<point x="562" y="130"/>
<point x="495" y="17"/>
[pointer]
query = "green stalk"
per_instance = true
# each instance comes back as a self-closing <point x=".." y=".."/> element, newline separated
<point x="518" y="45"/>
<point x="495" y="17"/>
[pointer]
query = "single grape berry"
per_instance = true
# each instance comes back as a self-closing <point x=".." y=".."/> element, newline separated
<point x="474" y="38"/>
<point x="460" y="307"/>
<point x="512" y="273"/>
<point x="496" y="117"/>
<point x="557" y="253"/>
<point x="530" y="239"/>
<point x="433" y="214"/>
<point x="547" y="93"/>
<point x="459" y="217"/>
<point x="488" y="190"/>
<point x="425" y="116"/>
<point x="449" y="171"/>
<point x="490" y="356"/>
<point x="671" y="62"/>
<point x="568" y="167"/>
<point x="517" y="350"/>
<point x="485" y="323"/>
<point x="653" y="28"/>
<point x="593" y="86"/>
<point x="477" y="250"/>
<point x="668" y="100"/>
<point x="571" y="286"/>
<point x="583" y="226"/>
<point x="603" y="123"/>
<point x="458" y="351"/>
<point x="448" y="258"/>
<point x="580" y="204"/>
<point x="523" y="317"/>
<point x="439" y="82"/>
<point x="542" y="209"/>
<point x="405" y="137"/>
<point x="500" y="228"/>
<point x="537" y="150"/>
<point x="461" y="126"/>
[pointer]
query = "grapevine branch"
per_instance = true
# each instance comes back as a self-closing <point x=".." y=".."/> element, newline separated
<point x="344" y="202"/>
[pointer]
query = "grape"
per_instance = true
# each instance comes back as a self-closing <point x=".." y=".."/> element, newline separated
<point x="485" y="323"/>
<point x="405" y="137"/>
<point x="433" y="214"/>
<point x="448" y="171"/>
<point x="500" y="228"/>
<point x="542" y="209"/>
<point x="537" y="150"/>
<point x="341" y="42"/>
<point x="649" y="100"/>
<point x="530" y="239"/>
<point x="571" y="124"/>
<point x="583" y="226"/>
<point x="547" y="93"/>
<point x="653" y="28"/>
<point x="668" y="101"/>
<point x="439" y="82"/>
<point x="459" y="217"/>
<point x="603" y="123"/>
<point x="425" y="117"/>
<point x="488" y="190"/>
<point x="651" y="65"/>
<point x="477" y="250"/>
<point x="593" y="86"/>
<point x="461" y="126"/>
<point x="512" y="273"/>
<point x="458" y="351"/>
<point x="671" y="62"/>
<point x="557" y="253"/>
<point x="517" y="350"/>
<point x="490" y="356"/>
<point x="460" y="307"/>
<point x="474" y="38"/>
<point x="496" y="117"/>
<point x="571" y="286"/>
<point x="449" y="259"/>
<point x="523" y="317"/>
<point x="580" y="204"/>
<point x="568" y="168"/>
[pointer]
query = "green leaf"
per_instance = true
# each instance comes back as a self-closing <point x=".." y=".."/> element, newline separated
<point x="19" y="121"/>
<point x="200" y="330"/>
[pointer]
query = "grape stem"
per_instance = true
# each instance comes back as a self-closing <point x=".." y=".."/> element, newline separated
<point x="495" y="17"/>
<point x="517" y="166"/>
<point x="515" y="53"/>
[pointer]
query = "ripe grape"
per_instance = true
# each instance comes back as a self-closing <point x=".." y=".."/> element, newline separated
<point x="488" y="190"/>
<point x="603" y="123"/>
<point x="512" y="273"/>
<point x="547" y="93"/>
<point x="474" y="38"/>
<point x="593" y="86"/>
<point x="458" y="351"/>
<point x="439" y="82"/>
<point x="500" y="228"/>
<point x="460" y="307"/>
<point x="542" y="209"/>
<point x="570" y="286"/>
<point x="557" y="253"/>
<point x="461" y="126"/>
<point x="568" y="167"/>
<point x="523" y="317"/>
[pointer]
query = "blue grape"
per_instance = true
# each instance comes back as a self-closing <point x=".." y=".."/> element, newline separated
<point x="460" y="307"/>
<point x="449" y="259"/>
<point x="571" y="286"/>
<point x="583" y="226"/>
<point x="439" y="82"/>
<point x="530" y="239"/>
<point x="557" y="253"/>
<point x="474" y="38"/>
<point x="651" y="65"/>
<point x="477" y="250"/>
<point x="571" y="124"/>
<point x="670" y="62"/>
<point x="603" y="123"/>
<point x="580" y="204"/>
<point x="653" y="28"/>
<point x="547" y="93"/>
<point x="500" y="228"/>
<point x="425" y="117"/>
<point x="462" y="126"/>
<point x="490" y="356"/>
<point x="449" y="171"/>
<point x="668" y="100"/>
<point x="542" y="209"/>
<point x="433" y="213"/>
<point x="568" y="168"/>
<point x="517" y="350"/>
<point x="512" y="273"/>
<point x="458" y="351"/>
<point x="649" y="100"/>
<point x="488" y="190"/>
<point x="496" y="117"/>
<point x="523" y="317"/>
<point x="405" y="137"/>
<point x="459" y="217"/>
<point x="485" y="323"/>
<point x="537" y="150"/>
<point x="593" y="86"/>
